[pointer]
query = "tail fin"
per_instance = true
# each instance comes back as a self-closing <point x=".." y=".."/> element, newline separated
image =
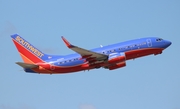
<point x="28" y="52"/>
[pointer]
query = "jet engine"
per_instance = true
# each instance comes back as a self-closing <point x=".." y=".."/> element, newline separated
<point x="116" y="58"/>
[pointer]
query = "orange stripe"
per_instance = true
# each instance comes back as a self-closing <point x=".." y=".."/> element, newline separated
<point x="26" y="60"/>
<point x="36" y="69"/>
<point x="26" y="52"/>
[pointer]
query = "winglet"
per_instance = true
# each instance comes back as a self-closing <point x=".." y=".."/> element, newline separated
<point x="66" y="42"/>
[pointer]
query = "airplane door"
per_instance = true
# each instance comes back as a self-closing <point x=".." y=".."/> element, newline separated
<point x="149" y="43"/>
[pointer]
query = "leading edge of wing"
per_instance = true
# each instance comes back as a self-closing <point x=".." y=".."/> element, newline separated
<point x="84" y="52"/>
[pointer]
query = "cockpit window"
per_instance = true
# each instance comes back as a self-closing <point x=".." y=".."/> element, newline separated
<point x="159" y="39"/>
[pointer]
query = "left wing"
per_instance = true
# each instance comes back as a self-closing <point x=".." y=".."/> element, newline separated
<point x="86" y="54"/>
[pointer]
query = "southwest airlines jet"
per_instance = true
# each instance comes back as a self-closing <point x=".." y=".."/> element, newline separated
<point x="109" y="57"/>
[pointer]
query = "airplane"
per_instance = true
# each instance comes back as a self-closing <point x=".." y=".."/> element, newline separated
<point x="109" y="57"/>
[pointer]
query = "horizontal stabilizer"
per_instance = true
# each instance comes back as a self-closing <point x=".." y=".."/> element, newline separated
<point x="26" y="65"/>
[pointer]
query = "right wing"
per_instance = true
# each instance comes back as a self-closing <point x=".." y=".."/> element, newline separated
<point x="90" y="56"/>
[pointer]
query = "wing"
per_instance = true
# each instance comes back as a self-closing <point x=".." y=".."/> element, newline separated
<point x="90" y="56"/>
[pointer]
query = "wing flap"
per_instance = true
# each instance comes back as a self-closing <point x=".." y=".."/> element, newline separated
<point x="27" y="65"/>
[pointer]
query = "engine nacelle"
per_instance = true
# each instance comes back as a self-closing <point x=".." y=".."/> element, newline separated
<point x="116" y="58"/>
<point x="117" y="65"/>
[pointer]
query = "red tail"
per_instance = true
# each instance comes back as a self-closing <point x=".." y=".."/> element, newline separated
<point x="28" y="52"/>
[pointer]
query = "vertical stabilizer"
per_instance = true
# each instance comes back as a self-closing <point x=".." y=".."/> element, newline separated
<point x="28" y="52"/>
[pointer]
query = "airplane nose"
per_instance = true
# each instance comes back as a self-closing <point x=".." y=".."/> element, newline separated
<point x="167" y="43"/>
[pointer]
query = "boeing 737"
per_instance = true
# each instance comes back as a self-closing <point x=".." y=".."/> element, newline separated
<point x="109" y="57"/>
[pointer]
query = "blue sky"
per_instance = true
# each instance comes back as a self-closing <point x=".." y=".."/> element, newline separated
<point x="151" y="82"/>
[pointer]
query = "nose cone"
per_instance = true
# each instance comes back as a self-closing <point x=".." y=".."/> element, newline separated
<point x="167" y="43"/>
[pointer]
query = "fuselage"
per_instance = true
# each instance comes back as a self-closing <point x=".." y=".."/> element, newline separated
<point x="129" y="49"/>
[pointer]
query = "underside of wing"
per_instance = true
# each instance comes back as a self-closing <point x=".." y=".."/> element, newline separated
<point x="86" y="54"/>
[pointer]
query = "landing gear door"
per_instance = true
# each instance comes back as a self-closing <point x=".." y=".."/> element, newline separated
<point x="149" y="42"/>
